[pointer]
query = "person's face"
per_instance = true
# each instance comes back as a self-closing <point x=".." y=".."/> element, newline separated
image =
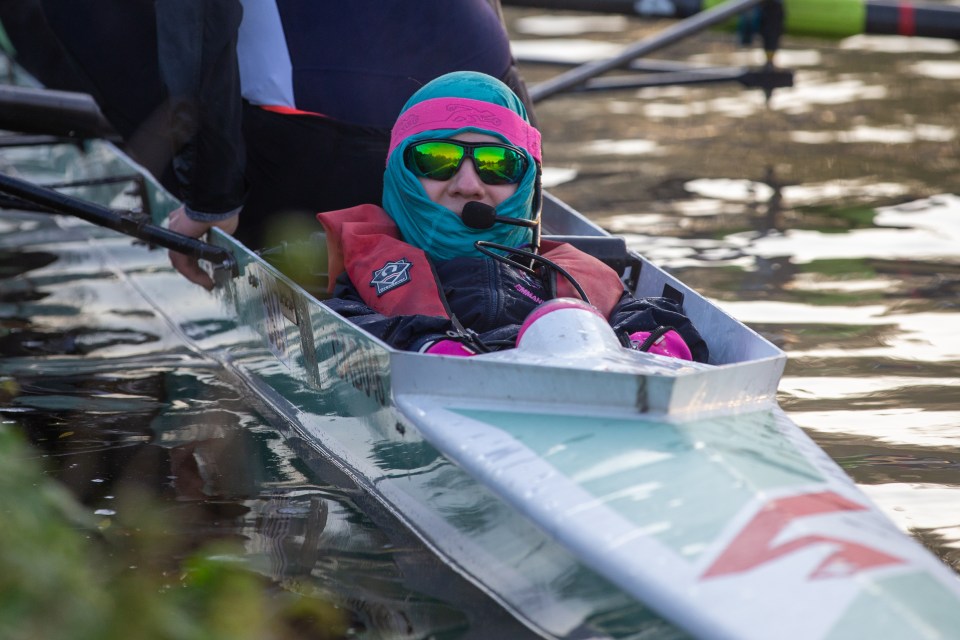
<point x="466" y="185"/>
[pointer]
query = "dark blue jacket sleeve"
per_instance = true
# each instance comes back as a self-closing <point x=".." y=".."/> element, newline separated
<point x="197" y="53"/>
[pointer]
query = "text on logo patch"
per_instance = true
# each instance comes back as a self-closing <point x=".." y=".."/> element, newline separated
<point x="391" y="275"/>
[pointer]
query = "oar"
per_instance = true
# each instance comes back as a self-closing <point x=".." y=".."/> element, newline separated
<point x="61" y="113"/>
<point x="118" y="221"/>
<point x="671" y="35"/>
<point x="819" y="18"/>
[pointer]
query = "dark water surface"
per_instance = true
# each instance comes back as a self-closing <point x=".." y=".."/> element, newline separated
<point x="120" y="411"/>
<point x="828" y="220"/>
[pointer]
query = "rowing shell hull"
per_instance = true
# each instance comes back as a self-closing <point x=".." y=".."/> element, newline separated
<point x="728" y="523"/>
<point x="587" y="499"/>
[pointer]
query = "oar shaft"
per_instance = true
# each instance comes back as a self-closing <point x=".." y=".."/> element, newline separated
<point x="68" y="205"/>
<point x="843" y="18"/>
<point x="665" y="38"/>
<point x="912" y="19"/>
<point x="819" y="18"/>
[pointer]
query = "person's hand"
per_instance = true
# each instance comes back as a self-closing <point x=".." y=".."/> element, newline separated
<point x="187" y="265"/>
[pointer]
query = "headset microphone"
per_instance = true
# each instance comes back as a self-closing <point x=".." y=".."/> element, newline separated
<point x="479" y="215"/>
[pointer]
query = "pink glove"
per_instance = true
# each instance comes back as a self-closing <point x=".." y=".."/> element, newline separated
<point x="449" y="348"/>
<point x="669" y="344"/>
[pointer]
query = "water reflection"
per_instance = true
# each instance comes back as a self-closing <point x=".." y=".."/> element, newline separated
<point x="571" y="25"/>
<point x="824" y="218"/>
<point x="124" y="415"/>
<point x="936" y="69"/>
<point x="893" y="44"/>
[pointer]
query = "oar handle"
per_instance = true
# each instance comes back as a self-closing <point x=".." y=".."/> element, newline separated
<point x="116" y="220"/>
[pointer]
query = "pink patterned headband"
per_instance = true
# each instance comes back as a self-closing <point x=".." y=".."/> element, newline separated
<point x="457" y="113"/>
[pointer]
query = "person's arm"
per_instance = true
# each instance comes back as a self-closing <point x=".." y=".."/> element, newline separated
<point x="197" y="46"/>
<point x="196" y="41"/>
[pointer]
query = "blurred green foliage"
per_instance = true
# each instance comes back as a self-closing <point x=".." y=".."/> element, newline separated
<point x="66" y="574"/>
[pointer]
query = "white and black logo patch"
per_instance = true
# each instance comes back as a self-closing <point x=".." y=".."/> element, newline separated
<point x="391" y="275"/>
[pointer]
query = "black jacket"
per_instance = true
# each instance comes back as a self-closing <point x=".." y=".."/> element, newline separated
<point x="166" y="75"/>
<point x="492" y="299"/>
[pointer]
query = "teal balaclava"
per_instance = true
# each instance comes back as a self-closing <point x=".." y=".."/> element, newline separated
<point x="456" y="103"/>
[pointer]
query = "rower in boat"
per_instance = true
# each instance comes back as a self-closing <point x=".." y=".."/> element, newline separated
<point x="454" y="264"/>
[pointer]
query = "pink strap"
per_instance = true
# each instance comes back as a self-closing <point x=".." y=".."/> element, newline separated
<point x="457" y="113"/>
<point x="289" y="111"/>
<point x="669" y="344"/>
<point x="449" y="348"/>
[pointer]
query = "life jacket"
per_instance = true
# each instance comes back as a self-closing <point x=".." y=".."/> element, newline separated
<point x="396" y="278"/>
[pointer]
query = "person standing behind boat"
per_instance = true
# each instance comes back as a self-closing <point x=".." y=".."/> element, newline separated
<point x="412" y="274"/>
<point x="321" y="85"/>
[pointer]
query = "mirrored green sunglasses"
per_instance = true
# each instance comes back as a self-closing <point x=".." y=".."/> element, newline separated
<point x="441" y="159"/>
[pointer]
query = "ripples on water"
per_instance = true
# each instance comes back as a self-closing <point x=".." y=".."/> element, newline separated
<point x="828" y="220"/>
<point x="825" y="221"/>
<point x="121" y="411"/>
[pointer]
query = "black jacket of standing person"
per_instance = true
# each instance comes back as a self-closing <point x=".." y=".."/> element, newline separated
<point x="269" y="107"/>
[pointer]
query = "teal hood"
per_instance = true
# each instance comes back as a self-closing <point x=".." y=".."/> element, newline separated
<point x="456" y="103"/>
